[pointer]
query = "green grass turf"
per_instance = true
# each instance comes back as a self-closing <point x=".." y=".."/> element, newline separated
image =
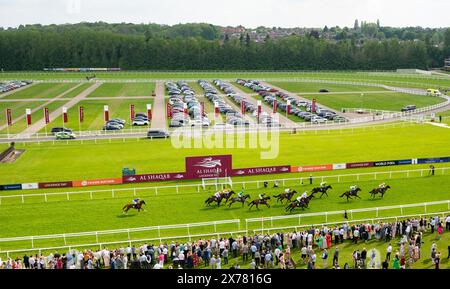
<point x="42" y="90"/>
<point x="21" y="125"/>
<point x="405" y="80"/>
<point x="123" y="89"/>
<point x="94" y="160"/>
<point x="388" y="101"/>
<point x="302" y="87"/>
<point x="93" y="113"/>
<point x="78" y="90"/>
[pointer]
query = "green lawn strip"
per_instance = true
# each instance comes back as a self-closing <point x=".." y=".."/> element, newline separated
<point x="18" y="109"/>
<point x="124" y="89"/>
<point x="297" y="87"/>
<point x="93" y="160"/>
<point x="93" y="113"/>
<point x="78" y="90"/>
<point x="388" y="101"/>
<point x="35" y="116"/>
<point x="289" y="116"/>
<point x="388" y="78"/>
<point x="42" y="90"/>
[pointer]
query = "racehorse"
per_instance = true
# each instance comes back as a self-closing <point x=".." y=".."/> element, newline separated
<point x="322" y="190"/>
<point x="258" y="202"/>
<point x="285" y="196"/>
<point x="239" y="199"/>
<point x="213" y="198"/>
<point x="350" y="194"/>
<point x="381" y="191"/>
<point x="138" y="206"/>
<point x="297" y="204"/>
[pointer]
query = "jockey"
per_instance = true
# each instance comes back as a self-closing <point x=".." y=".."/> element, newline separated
<point x="240" y="194"/>
<point x="217" y="195"/>
<point x="275" y="184"/>
<point x="353" y="188"/>
<point x="382" y="185"/>
<point x="304" y="195"/>
<point x="323" y="184"/>
<point x="299" y="199"/>
<point x="287" y="191"/>
<point x="135" y="202"/>
<point x="261" y="196"/>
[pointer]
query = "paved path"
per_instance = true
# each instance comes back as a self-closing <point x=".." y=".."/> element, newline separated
<point x="48" y="101"/>
<point x="347" y="115"/>
<point x="40" y="124"/>
<point x="88" y="98"/>
<point x="159" y="108"/>
<point x="439" y="124"/>
<point x="282" y="119"/>
<point x="346" y="92"/>
<point x="16" y="90"/>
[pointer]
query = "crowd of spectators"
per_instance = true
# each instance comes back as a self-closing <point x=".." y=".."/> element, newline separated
<point x="268" y="251"/>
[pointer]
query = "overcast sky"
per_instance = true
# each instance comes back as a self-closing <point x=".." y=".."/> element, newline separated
<point x="250" y="13"/>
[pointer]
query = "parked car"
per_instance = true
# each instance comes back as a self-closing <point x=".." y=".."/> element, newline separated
<point x="112" y="127"/>
<point x="140" y="122"/>
<point x="118" y="120"/>
<point x="65" y="135"/>
<point x="409" y="107"/>
<point x="157" y="134"/>
<point x="55" y="130"/>
<point x="324" y="90"/>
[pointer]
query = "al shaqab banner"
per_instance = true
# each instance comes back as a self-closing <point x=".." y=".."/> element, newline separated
<point x="208" y="167"/>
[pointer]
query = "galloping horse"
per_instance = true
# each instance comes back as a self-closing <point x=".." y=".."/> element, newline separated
<point x="239" y="199"/>
<point x="381" y="191"/>
<point x="285" y="196"/>
<point x="258" y="202"/>
<point x="138" y="206"/>
<point x="350" y="194"/>
<point x="213" y="198"/>
<point x="322" y="190"/>
<point x="297" y="204"/>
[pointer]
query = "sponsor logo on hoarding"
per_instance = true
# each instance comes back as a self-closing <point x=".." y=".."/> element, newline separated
<point x="385" y="163"/>
<point x="405" y="162"/>
<point x="261" y="170"/>
<point x="99" y="182"/>
<point x="313" y="168"/>
<point x="11" y="187"/>
<point x="208" y="166"/>
<point x="433" y="160"/>
<point x="359" y="165"/>
<point x="51" y="185"/>
<point x="30" y="186"/>
<point x="153" y="177"/>
<point x="339" y="166"/>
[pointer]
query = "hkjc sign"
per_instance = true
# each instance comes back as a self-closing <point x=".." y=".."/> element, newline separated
<point x="208" y="167"/>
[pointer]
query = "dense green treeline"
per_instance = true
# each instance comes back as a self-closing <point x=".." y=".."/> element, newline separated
<point x="34" y="49"/>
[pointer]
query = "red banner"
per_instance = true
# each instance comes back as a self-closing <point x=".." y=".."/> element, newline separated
<point x="359" y="165"/>
<point x="216" y="108"/>
<point x="153" y="178"/>
<point x="149" y="111"/>
<point x="168" y="110"/>
<point x="203" y="108"/>
<point x="275" y="106"/>
<point x="313" y="106"/>
<point x="9" y="116"/>
<point x="106" y="113"/>
<point x="288" y="110"/>
<point x="81" y="114"/>
<point x="132" y="112"/>
<point x="28" y="112"/>
<point x="46" y="116"/>
<point x="261" y="171"/>
<point x="65" y="114"/>
<point x="55" y="185"/>
<point x="243" y="107"/>
<point x="259" y="109"/>
<point x="208" y="166"/>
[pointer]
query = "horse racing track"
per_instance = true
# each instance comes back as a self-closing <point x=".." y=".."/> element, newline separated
<point x="92" y="217"/>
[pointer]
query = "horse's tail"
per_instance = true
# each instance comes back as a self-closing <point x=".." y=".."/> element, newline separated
<point x="125" y="207"/>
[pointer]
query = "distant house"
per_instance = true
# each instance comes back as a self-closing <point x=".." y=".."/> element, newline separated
<point x="447" y="64"/>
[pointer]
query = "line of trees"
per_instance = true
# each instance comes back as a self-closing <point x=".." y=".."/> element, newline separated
<point x="35" y="48"/>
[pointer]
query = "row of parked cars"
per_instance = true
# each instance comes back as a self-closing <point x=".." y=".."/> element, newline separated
<point x="12" y="85"/>
<point x="300" y="108"/>
<point x="185" y="107"/>
<point x="233" y="117"/>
